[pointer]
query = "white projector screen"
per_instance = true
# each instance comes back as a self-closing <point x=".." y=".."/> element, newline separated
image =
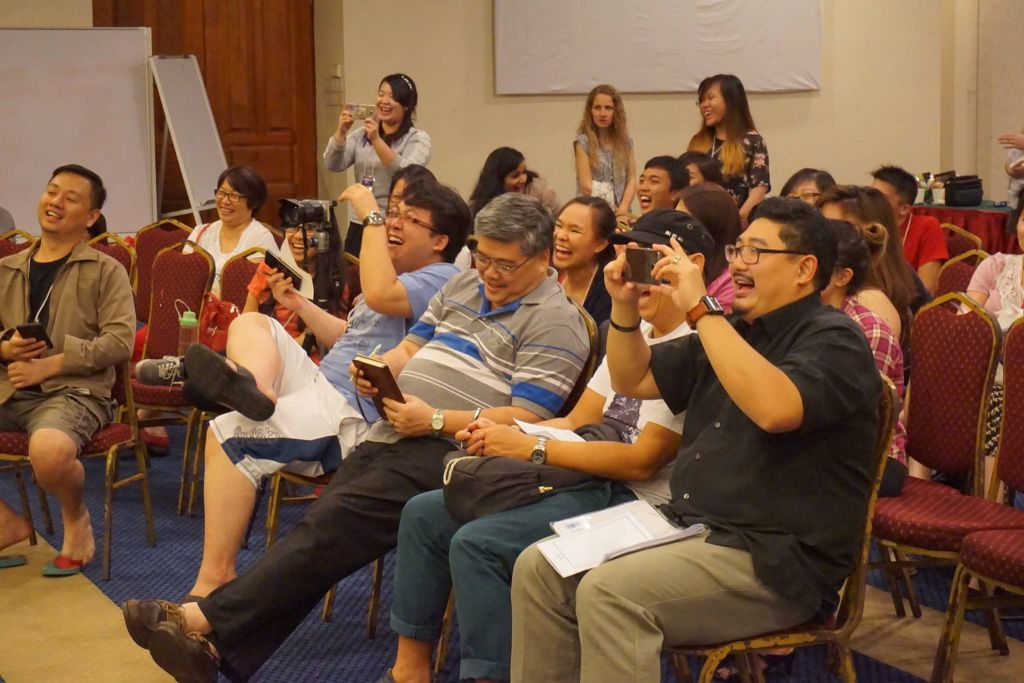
<point x="569" y="46"/>
<point x="77" y="96"/>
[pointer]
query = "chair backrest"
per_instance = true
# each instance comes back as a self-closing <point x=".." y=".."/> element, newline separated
<point x="178" y="280"/>
<point x="589" y="367"/>
<point x="148" y="243"/>
<point x="116" y="248"/>
<point x="851" y="606"/>
<point x="1010" y="456"/>
<point x="959" y="240"/>
<point x="956" y="273"/>
<point x="236" y="274"/>
<point x="14" y="240"/>
<point x="956" y="347"/>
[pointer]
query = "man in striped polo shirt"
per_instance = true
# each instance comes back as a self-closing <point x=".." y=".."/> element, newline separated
<point x="503" y="338"/>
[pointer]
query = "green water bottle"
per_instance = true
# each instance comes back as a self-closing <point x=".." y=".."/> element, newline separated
<point x="188" y="331"/>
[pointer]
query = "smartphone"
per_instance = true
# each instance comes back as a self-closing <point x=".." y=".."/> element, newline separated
<point x="272" y="260"/>
<point x="361" y="111"/>
<point x="379" y="375"/>
<point x="639" y="264"/>
<point x="34" y="331"/>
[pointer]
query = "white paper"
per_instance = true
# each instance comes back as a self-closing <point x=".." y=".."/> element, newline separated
<point x="553" y="433"/>
<point x="585" y="541"/>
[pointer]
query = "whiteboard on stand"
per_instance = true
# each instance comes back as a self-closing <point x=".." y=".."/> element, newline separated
<point x="77" y="96"/>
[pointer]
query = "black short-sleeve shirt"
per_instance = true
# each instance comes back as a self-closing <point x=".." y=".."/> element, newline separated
<point x="796" y="501"/>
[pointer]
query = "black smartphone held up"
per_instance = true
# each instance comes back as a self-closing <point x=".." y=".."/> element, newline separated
<point x="34" y="331"/>
<point x="272" y="260"/>
<point x="639" y="264"/>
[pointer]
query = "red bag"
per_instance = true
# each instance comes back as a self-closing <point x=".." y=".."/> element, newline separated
<point x="214" y="321"/>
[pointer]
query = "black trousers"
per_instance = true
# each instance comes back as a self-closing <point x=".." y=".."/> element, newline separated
<point x="354" y="522"/>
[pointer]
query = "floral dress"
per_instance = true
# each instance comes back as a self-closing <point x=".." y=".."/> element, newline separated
<point x="755" y="165"/>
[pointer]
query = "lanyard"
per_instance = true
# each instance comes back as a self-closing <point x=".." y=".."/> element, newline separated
<point x="903" y="236"/>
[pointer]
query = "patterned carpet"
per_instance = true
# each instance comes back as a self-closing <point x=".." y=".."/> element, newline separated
<point x="340" y="650"/>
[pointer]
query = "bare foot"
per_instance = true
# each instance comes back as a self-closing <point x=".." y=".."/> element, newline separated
<point x="13" y="528"/>
<point x="79" y="543"/>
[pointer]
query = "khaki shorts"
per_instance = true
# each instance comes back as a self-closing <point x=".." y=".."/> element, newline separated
<point x="77" y="415"/>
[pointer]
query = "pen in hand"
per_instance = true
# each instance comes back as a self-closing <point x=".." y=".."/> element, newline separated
<point x="375" y="350"/>
<point x="476" y="416"/>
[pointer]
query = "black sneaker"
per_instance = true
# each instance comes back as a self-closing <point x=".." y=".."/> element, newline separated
<point x="161" y="371"/>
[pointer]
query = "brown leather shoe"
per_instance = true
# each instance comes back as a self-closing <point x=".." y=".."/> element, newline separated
<point x="143" y="616"/>
<point x="189" y="658"/>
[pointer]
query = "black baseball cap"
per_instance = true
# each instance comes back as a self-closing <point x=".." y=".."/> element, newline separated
<point x="660" y="225"/>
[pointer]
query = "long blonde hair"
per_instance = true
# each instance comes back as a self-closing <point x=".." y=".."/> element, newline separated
<point x="736" y="122"/>
<point x="618" y="135"/>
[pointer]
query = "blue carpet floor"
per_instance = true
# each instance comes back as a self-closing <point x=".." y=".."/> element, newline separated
<point x="317" y="651"/>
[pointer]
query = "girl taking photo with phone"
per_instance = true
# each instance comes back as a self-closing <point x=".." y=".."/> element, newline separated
<point x="727" y="133"/>
<point x="380" y="145"/>
<point x="605" y="166"/>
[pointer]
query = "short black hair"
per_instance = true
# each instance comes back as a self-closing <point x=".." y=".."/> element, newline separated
<point x="708" y="166"/>
<point x="823" y="179"/>
<point x="803" y="229"/>
<point x="448" y="213"/>
<point x="97" y="193"/>
<point x="413" y="174"/>
<point x="678" y="178"/>
<point x="903" y="181"/>
<point x="246" y="182"/>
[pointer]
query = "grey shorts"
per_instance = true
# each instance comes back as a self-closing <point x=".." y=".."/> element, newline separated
<point x="77" y="415"/>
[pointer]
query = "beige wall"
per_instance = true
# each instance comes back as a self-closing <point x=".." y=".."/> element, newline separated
<point x="45" y="13"/>
<point x="1000" y="87"/>
<point x="880" y="101"/>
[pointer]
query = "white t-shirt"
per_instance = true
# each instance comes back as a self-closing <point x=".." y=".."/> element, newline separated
<point x="254" y="235"/>
<point x="655" y="490"/>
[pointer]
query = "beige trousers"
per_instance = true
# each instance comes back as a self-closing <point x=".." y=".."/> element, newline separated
<point x="610" y="624"/>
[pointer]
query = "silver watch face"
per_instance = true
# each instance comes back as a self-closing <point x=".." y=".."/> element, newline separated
<point x="437" y="422"/>
<point x="538" y="456"/>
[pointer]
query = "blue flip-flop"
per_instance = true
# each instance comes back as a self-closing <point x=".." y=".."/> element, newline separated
<point x="62" y="566"/>
<point x="12" y="561"/>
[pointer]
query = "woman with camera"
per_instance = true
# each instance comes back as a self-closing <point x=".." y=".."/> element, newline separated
<point x="385" y="142"/>
<point x="727" y="133"/>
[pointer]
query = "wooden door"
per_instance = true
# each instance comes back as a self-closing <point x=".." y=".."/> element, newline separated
<point x="256" y="57"/>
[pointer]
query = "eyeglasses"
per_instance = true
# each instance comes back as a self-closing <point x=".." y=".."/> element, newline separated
<point x="751" y="255"/>
<point x="231" y="197"/>
<point x="394" y="214"/>
<point x="809" y="197"/>
<point x="504" y="267"/>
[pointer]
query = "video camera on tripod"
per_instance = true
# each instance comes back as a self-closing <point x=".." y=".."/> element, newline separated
<point x="317" y="215"/>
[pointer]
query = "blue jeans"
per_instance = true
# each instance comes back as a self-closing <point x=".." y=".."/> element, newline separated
<point x="436" y="553"/>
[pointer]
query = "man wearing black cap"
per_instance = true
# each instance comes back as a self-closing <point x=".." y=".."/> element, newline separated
<point x="630" y="442"/>
<point x="776" y="461"/>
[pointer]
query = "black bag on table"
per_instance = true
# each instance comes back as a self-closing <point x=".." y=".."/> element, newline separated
<point x="964" y="190"/>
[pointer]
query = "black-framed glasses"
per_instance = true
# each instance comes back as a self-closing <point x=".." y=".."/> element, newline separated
<point x="394" y="214"/>
<point x="750" y="254"/>
<point x="225" y="196"/>
<point x="504" y="267"/>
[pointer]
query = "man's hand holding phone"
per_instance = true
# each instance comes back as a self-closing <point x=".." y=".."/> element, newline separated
<point x="18" y="348"/>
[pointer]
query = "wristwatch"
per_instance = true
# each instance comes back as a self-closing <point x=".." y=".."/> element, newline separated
<point x="373" y="218"/>
<point x="437" y="422"/>
<point x="708" y="305"/>
<point x="539" y="454"/>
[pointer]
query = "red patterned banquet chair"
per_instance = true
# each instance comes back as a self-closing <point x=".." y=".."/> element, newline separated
<point x="958" y="240"/>
<point x="236" y="274"/>
<point x="149" y="241"/>
<point x="113" y="246"/>
<point x="956" y="273"/>
<point x="14" y="240"/>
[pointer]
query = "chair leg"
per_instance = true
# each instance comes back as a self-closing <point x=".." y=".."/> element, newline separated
<point x="186" y="454"/>
<point x="890" y="572"/>
<point x="274" y="507"/>
<point x="680" y="668"/>
<point x="441" y="654"/>
<point x="25" y="507"/>
<point x="711" y="664"/>
<point x="44" y="504"/>
<point x="371" y="615"/>
<point x="908" y="586"/>
<point x="844" y="661"/>
<point x="325" y="614"/>
<point x="108" y="509"/>
<point x="261" y="491"/>
<point x="197" y="459"/>
<point x="147" y="505"/>
<point x="996" y="636"/>
<point x="949" y="641"/>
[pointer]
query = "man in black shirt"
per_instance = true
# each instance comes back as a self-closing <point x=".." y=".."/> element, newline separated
<point x="776" y="460"/>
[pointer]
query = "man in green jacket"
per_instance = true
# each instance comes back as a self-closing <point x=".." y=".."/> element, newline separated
<point x="59" y="392"/>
